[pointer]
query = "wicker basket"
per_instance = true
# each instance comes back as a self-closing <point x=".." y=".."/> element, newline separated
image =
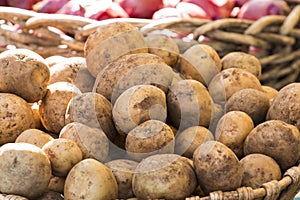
<point x="275" y="39"/>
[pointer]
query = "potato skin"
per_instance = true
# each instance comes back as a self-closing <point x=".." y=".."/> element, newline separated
<point x="25" y="170"/>
<point x="137" y="105"/>
<point x="90" y="180"/>
<point x="25" y="65"/>
<point x="259" y="169"/>
<point x="286" y="105"/>
<point x="34" y="136"/>
<point x="269" y="91"/>
<point x="15" y="117"/>
<point x="164" y="176"/>
<point x="217" y="167"/>
<point x="276" y="139"/>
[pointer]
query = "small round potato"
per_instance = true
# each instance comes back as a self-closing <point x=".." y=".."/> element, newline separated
<point x="200" y="62"/>
<point x="150" y="137"/>
<point x="91" y="109"/>
<point x="123" y="170"/>
<point x="232" y="130"/>
<point x="54" y="105"/>
<point x="251" y="101"/>
<point x="229" y="81"/>
<point x="189" y="104"/>
<point x="90" y="179"/>
<point x="15" y="117"/>
<point x="164" y="176"/>
<point x="98" y="49"/>
<point x="239" y="59"/>
<point x="277" y="139"/>
<point x="163" y="46"/>
<point x="63" y="155"/>
<point x="92" y="141"/>
<point x="259" y="169"/>
<point x="137" y="105"/>
<point x="189" y="139"/>
<point x="34" y="136"/>
<point x="286" y="105"/>
<point x="25" y="170"/>
<point x="217" y="167"/>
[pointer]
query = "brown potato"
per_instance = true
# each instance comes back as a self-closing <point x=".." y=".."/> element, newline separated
<point x="57" y="184"/>
<point x="131" y="70"/>
<point x="89" y="179"/>
<point x="137" y="105"/>
<point x="189" y="139"/>
<point x="25" y="170"/>
<point x="164" y="176"/>
<point x="276" y="139"/>
<point x="51" y="195"/>
<point x="54" y="105"/>
<point x="242" y="60"/>
<point x="98" y="49"/>
<point x="15" y="117"/>
<point x="163" y="46"/>
<point x="92" y="141"/>
<point x="91" y="109"/>
<point x="52" y="60"/>
<point x="189" y="104"/>
<point x="27" y="66"/>
<point x="36" y="137"/>
<point x="217" y="167"/>
<point x="148" y="138"/>
<point x="232" y="130"/>
<point x="259" y="169"/>
<point x="200" y="62"/>
<point x="286" y="105"/>
<point x="270" y="91"/>
<point x="36" y="115"/>
<point x="251" y="101"/>
<point x="123" y="170"/>
<point x="63" y="155"/>
<point x="229" y="81"/>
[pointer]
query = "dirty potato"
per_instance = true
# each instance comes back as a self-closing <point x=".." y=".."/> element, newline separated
<point x="34" y="136"/>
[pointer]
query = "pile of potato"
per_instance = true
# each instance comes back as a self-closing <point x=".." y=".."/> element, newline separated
<point x="135" y="118"/>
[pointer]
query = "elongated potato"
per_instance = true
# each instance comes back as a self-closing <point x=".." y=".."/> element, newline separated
<point x="98" y="49"/>
<point x="137" y="105"/>
<point x="15" y="117"/>
<point x="131" y="70"/>
<point x="27" y="66"/>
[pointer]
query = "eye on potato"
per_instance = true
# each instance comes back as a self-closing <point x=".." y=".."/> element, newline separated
<point x="25" y="170"/>
<point x="36" y="137"/>
<point x="15" y="117"/>
<point x="25" y="65"/>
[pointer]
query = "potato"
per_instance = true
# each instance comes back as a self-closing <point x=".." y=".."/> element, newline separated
<point x="217" y="167"/>
<point x="15" y="117"/>
<point x="63" y="155"/>
<point x="131" y="70"/>
<point x="73" y="70"/>
<point x="54" y="105"/>
<point x="98" y="49"/>
<point x="36" y="115"/>
<point x="286" y="105"/>
<point x="27" y="66"/>
<point x="52" y="60"/>
<point x="57" y="184"/>
<point x="36" y="137"/>
<point x="228" y="81"/>
<point x="269" y="91"/>
<point x="12" y="197"/>
<point x="251" y="101"/>
<point x="277" y="139"/>
<point x="123" y="170"/>
<point x="200" y="62"/>
<point x="148" y="138"/>
<point x="232" y="130"/>
<point x="164" y="176"/>
<point x="51" y="195"/>
<point x="25" y="170"/>
<point x="259" y="169"/>
<point x="90" y="180"/>
<point x="92" y="141"/>
<point x="242" y="60"/>
<point x="189" y="139"/>
<point x="189" y="104"/>
<point x="137" y="105"/>
<point x="163" y="46"/>
<point x="91" y="109"/>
